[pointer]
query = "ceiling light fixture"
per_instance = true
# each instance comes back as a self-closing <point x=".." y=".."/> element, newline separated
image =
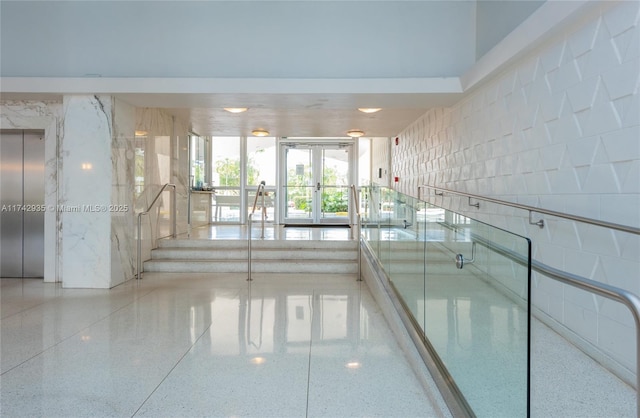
<point x="236" y="109"/>
<point x="260" y="132"/>
<point x="369" y="109"/>
<point x="354" y="133"/>
<point x="141" y="133"/>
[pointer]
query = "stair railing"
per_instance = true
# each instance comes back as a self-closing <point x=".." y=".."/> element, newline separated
<point x="439" y="191"/>
<point x="628" y="299"/>
<point x="356" y="203"/>
<point x="146" y="212"/>
<point x="259" y="193"/>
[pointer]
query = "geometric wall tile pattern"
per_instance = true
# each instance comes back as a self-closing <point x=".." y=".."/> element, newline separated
<point x="559" y="129"/>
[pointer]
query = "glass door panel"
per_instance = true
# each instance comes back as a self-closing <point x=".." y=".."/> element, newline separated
<point x="335" y="185"/>
<point x="317" y="183"/>
<point x="299" y="187"/>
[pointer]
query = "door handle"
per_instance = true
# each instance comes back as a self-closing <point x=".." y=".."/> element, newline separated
<point x="318" y="186"/>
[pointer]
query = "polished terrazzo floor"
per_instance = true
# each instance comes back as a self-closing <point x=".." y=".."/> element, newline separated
<point x="192" y="345"/>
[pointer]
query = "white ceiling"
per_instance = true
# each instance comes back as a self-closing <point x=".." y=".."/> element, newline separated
<point x="295" y="115"/>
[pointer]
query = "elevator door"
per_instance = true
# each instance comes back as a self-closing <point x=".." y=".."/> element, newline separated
<point x="21" y="203"/>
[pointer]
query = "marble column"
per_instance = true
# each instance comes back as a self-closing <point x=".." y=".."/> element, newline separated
<point x="123" y="249"/>
<point x="85" y="195"/>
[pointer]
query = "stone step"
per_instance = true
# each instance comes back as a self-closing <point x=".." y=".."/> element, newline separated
<point x="262" y="266"/>
<point x="256" y="243"/>
<point x="257" y="254"/>
<point x="440" y="268"/>
<point x="268" y="256"/>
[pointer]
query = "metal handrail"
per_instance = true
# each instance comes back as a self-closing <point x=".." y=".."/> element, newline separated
<point x="629" y="299"/>
<point x="259" y="192"/>
<point x="173" y="225"/>
<point x="359" y="223"/>
<point x="532" y="209"/>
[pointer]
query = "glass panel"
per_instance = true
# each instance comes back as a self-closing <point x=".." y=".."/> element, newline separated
<point x="225" y="179"/>
<point x="264" y="205"/>
<point x="299" y="188"/>
<point x="198" y="161"/>
<point x="226" y="205"/>
<point x="335" y="183"/>
<point x="405" y="246"/>
<point x="476" y="316"/>
<point x="226" y="162"/>
<point x="335" y="202"/>
<point x="261" y="161"/>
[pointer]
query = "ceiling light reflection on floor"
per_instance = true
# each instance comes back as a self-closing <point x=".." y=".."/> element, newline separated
<point x="258" y="360"/>
<point x="353" y="365"/>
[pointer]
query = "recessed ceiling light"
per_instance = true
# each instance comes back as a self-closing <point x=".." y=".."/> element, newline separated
<point x="354" y="133"/>
<point x="353" y="365"/>
<point x="236" y="109"/>
<point x="260" y="132"/>
<point x="369" y="109"/>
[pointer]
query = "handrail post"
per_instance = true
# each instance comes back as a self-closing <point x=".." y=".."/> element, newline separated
<point x="139" y="255"/>
<point x="263" y="211"/>
<point x="259" y="192"/>
<point x="249" y="248"/>
<point x="174" y="213"/>
<point x="359" y="229"/>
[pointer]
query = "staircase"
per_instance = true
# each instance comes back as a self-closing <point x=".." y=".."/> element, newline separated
<point x="268" y="256"/>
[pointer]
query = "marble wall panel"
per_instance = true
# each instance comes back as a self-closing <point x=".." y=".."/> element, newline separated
<point x="123" y="249"/>
<point x="85" y="191"/>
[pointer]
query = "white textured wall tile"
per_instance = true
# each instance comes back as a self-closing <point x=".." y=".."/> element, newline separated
<point x="620" y="272"/>
<point x="609" y="333"/>
<point x="562" y="127"/>
<point x="616" y="80"/>
<point x="582" y="321"/>
<point x="623" y="17"/>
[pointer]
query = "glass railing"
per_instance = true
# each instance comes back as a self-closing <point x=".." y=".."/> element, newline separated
<point x="466" y="286"/>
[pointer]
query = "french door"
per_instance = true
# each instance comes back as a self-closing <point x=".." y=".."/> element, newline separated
<point x="316" y="181"/>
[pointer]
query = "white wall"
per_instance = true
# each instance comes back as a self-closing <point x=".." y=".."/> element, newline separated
<point x="381" y="159"/>
<point x="559" y="129"/>
<point x="286" y="39"/>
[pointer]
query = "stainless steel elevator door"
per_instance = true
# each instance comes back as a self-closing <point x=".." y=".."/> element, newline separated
<point x="21" y="203"/>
